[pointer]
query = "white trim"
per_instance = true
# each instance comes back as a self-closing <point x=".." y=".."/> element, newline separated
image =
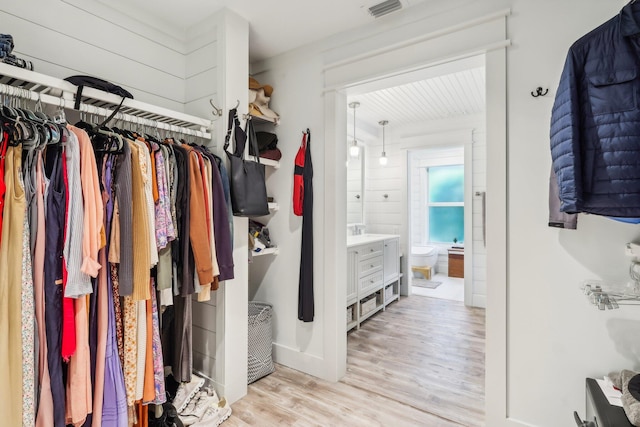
<point x="468" y="225"/>
<point x="413" y="41"/>
<point x="493" y="35"/>
<point x="298" y="360"/>
<point x="496" y="365"/>
<point x="466" y="54"/>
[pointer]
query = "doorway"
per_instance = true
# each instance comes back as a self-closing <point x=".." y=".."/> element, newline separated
<point x="487" y="36"/>
<point x="435" y="151"/>
<point x="435" y="123"/>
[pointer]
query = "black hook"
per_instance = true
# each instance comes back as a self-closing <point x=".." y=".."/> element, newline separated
<point x="539" y="92"/>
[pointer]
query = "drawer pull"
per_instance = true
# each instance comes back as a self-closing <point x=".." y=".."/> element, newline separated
<point x="371" y="265"/>
<point x="372" y="281"/>
<point x="371" y="249"/>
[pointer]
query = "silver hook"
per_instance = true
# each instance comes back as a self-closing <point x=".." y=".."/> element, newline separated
<point x="217" y="111"/>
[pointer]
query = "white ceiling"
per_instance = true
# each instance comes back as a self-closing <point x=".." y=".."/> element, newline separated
<point x="276" y="26"/>
<point x="446" y="96"/>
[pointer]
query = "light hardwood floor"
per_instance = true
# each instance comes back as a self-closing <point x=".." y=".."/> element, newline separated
<point x="419" y="363"/>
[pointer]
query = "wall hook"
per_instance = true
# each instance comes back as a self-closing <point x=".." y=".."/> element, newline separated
<point x="539" y="92"/>
<point x="216" y="111"/>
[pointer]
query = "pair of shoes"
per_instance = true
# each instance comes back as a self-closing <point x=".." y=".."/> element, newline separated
<point x="198" y="406"/>
<point x="214" y="415"/>
<point x="186" y="391"/>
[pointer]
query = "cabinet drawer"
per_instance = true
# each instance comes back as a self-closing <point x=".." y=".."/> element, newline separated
<point x="368" y="266"/>
<point x="371" y="250"/>
<point x="371" y="282"/>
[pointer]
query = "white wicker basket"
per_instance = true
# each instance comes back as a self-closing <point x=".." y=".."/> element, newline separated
<point x="368" y="305"/>
<point x="388" y="293"/>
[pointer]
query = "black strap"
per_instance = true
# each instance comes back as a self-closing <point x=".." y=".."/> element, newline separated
<point x="240" y="136"/>
<point x="253" y="139"/>
<point x="113" y="114"/>
<point x="78" y="97"/>
<point x="233" y="113"/>
<point x="76" y="106"/>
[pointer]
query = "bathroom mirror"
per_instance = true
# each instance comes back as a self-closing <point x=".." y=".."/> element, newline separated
<point x="355" y="188"/>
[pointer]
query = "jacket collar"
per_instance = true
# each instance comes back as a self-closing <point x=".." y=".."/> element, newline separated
<point x="629" y="25"/>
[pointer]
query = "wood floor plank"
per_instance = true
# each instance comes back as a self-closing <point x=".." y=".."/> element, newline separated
<point x="419" y="363"/>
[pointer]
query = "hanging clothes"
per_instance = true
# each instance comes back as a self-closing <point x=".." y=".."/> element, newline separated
<point x="87" y="216"/>
<point x="305" y="282"/>
<point x="11" y="403"/>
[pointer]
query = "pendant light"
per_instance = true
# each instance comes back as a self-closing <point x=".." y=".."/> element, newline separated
<point x="354" y="150"/>
<point x="383" y="158"/>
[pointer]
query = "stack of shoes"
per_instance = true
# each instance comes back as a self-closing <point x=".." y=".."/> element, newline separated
<point x="205" y="409"/>
<point x="186" y="392"/>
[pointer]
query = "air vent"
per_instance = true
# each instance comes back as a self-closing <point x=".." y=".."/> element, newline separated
<point x="384" y="8"/>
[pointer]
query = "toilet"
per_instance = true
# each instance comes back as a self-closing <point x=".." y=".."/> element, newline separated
<point x="423" y="261"/>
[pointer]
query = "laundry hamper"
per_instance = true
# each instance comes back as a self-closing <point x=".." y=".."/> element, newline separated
<point x="260" y="360"/>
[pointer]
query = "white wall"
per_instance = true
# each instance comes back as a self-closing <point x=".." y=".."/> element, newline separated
<point x="297" y="90"/>
<point x="355" y="195"/>
<point x="555" y="338"/>
<point x="63" y="40"/>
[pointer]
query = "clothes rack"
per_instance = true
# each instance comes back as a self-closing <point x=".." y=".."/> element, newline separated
<point x="21" y="83"/>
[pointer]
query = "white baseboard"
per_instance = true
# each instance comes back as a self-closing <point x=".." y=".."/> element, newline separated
<point x="479" y="301"/>
<point x="303" y="362"/>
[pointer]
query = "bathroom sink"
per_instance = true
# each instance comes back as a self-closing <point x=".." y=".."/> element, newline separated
<point x="360" y="239"/>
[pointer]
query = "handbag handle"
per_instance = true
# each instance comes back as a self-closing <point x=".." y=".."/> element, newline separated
<point x="240" y="136"/>
<point x="251" y="135"/>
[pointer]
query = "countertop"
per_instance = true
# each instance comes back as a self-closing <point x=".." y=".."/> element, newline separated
<point x="363" y="239"/>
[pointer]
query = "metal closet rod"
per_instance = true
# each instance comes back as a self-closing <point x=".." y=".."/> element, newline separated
<point x="18" y="92"/>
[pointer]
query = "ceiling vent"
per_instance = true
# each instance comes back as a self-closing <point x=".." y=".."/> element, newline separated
<point x="385" y="8"/>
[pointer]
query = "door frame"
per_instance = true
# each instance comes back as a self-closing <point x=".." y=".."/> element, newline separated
<point x="448" y="139"/>
<point x="484" y="35"/>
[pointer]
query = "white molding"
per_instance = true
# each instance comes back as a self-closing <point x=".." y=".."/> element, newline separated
<point x="298" y="360"/>
<point x="478" y="300"/>
<point x="496" y="365"/>
<point x="416" y="40"/>
<point x="468" y="222"/>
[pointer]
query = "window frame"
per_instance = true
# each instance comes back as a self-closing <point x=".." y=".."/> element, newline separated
<point x="427" y="204"/>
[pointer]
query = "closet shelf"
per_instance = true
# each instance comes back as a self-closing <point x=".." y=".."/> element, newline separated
<point x="267" y="162"/>
<point x="54" y="91"/>
<point x="262" y="119"/>
<point x="267" y="251"/>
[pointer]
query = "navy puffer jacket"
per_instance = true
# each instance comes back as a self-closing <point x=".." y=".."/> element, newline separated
<point x="595" y="123"/>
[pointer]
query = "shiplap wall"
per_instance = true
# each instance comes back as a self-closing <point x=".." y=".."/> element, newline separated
<point x="63" y="40"/>
<point x="355" y="196"/>
<point x="385" y="215"/>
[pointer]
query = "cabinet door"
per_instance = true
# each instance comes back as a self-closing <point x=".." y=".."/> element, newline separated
<point x="352" y="276"/>
<point x="391" y="260"/>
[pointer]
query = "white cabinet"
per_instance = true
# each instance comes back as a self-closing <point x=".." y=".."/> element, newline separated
<point x="352" y="281"/>
<point x="373" y="278"/>
<point x="391" y="260"/>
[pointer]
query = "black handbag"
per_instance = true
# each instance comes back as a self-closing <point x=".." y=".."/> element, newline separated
<point x="246" y="177"/>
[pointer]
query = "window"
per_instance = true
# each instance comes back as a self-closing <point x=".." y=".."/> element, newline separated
<point x="445" y="203"/>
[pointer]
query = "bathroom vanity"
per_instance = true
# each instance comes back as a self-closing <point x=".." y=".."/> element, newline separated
<point x="373" y="275"/>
